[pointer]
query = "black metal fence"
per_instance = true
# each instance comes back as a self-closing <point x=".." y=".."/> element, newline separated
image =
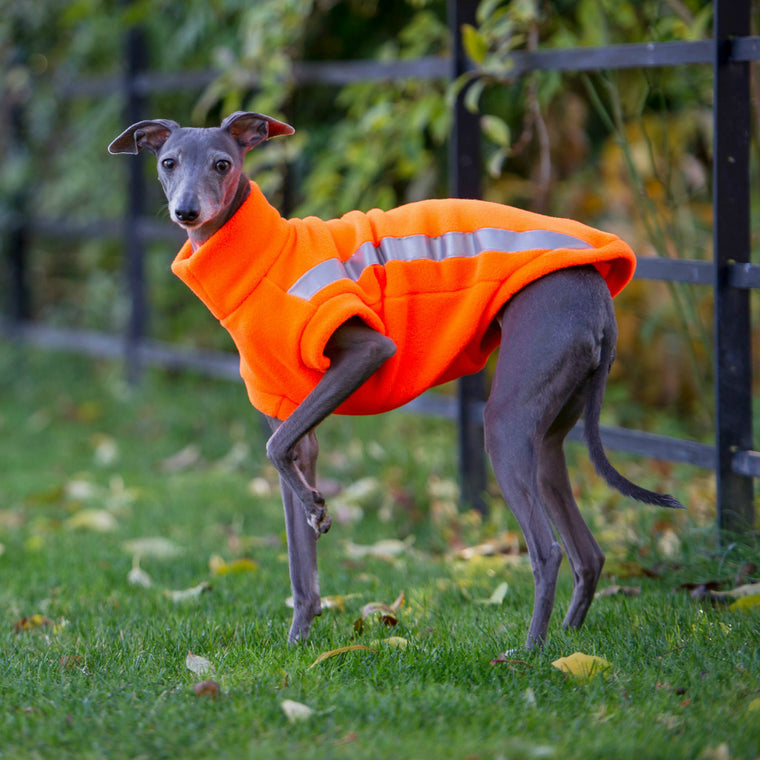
<point x="730" y="275"/>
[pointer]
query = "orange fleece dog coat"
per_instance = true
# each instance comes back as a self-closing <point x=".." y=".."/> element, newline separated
<point x="431" y="275"/>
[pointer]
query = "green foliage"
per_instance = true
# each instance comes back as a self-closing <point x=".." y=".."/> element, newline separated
<point x="628" y="151"/>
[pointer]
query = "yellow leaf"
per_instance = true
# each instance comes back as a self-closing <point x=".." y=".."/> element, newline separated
<point x="341" y="650"/>
<point x="98" y="520"/>
<point x="754" y="706"/>
<point x="219" y="567"/>
<point x="32" y="622"/>
<point x="581" y="666"/>
<point x="745" y="603"/>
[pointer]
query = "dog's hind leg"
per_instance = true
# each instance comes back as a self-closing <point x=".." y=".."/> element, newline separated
<point x="583" y="552"/>
<point x="550" y="346"/>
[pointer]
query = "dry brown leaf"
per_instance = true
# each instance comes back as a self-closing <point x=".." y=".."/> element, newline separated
<point x="208" y="689"/>
<point x="386" y="613"/>
<point x="33" y="622"/>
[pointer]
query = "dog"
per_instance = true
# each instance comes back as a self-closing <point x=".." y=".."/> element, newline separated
<point x="359" y="315"/>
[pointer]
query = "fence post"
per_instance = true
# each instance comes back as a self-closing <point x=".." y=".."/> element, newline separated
<point x="18" y="233"/>
<point x="731" y="188"/>
<point x="134" y="243"/>
<point x="464" y="172"/>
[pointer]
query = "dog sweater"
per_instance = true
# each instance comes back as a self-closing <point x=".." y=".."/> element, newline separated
<point x="431" y="275"/>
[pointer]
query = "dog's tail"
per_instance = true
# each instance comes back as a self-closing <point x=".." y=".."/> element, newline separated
<point x="594" y="439"/>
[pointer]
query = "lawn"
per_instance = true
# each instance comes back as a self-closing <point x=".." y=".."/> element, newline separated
<point x="140" y="525"/>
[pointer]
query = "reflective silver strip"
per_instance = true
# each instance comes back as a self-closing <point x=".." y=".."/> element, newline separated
<point x="415" y="247"/>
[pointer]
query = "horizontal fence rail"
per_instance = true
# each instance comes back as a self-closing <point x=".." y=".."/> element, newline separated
<point x="729" y="53"/>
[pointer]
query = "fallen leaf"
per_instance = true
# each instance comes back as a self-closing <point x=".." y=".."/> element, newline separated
<point x="721" y="752"/>
<point x="78" y="489"/>
<point x="744" y="603"/>
<point x="709" y="591"/>
<point x="754" y="706"/>
<point x="156" y="547"/>
<point x="105" y="449"/>
<point x="497" y="597"/>
<point x="184" y="459"/>
<point x="361" y="491"/>
<point x="336" y="601"/>
<point x="186" y="594"/>
<point x="397" y="642"/>
<point x="508" y="543"/>
<point x="32" y="622"/>
<point x="208" y="688"/>
<point x="581" y="666"/>
<point x="340" y="650"/>
<point x="615" y="590"/>
<point x="218" y="566"/>
<point x="385" y="615"/>
<point x="506" y="658"/>
<point x="199" y="665"/>
<point x="98" y="520"/>
<point x="137" y="576"/>
<point x="295" y="711"/>
<point x="387" y="549"/>
<point x="748" y="589"/>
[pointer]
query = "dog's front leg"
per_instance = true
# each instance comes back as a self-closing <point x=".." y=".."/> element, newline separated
<point x="302" y="543"/>
<point x="355" y="353"/>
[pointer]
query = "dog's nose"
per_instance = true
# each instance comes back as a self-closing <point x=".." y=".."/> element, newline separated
<point x="187" y="214"/>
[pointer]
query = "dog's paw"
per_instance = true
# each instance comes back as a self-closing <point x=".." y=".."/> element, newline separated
<point x="317" y="515"/>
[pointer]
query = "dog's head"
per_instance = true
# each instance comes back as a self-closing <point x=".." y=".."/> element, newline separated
<point x="199" y="169"/>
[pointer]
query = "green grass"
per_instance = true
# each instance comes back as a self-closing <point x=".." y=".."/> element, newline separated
<point x="108" y="677"/>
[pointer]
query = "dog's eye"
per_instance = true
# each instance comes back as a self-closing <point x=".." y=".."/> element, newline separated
<point x="169" y="164"/>
<point x="222" y="165"/>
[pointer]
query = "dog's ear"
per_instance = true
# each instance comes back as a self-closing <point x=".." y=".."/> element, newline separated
<point x="248" y="129"/>
<point x="145" y="134"/>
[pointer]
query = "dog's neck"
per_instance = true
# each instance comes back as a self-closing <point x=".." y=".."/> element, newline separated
<point x="199" y="235"/>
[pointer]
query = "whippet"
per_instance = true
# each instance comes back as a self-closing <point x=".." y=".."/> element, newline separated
<point x="360" y="314"/>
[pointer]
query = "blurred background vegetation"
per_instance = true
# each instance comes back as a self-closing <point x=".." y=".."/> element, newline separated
<point x="629" y="151"/>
